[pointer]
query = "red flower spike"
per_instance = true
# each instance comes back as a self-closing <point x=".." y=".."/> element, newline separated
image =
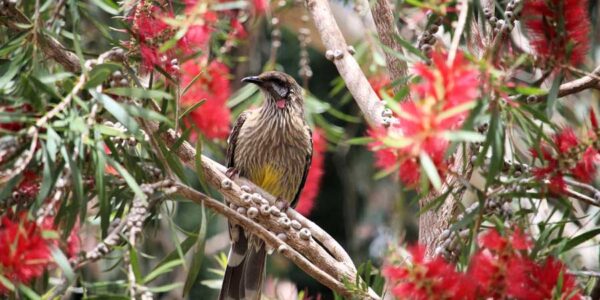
<point x="565" y="140"/>
<point x="558" y="29"/>
<point x="24" y="254"/>
<point x="381" y="83"/>
<point x="530" y="281"/>
<point x="213" y="116"/>
<point x="585" y="170"/>
<point x="310" y="191"/>
<point x="593" y="119"/>
<point x="29" y="186"/>
<point x="428" y="279"/>
<point x="445" y="93"/>
<point x="519" y="240"/>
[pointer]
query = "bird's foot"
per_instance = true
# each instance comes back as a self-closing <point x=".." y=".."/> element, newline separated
<point x="232" y="172"/>
<point x="282" y="204"/>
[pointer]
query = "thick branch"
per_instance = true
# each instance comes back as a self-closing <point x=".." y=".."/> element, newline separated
<point x="386" y="29"/>
<point x="571" y="87"/>
<point x="347" y="66"/>
<point x="268" y="236"/>
<point x="333" y="261"/>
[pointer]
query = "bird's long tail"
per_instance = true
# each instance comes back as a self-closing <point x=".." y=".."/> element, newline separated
<point x="245" y="271"/>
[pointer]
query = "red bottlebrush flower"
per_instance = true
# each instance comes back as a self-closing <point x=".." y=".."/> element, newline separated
<point x="530" y="281"/>
<point x="445" y="95"/>
<point x="493" y="240"/>
<point x="213" y="116"/>
<point x="586" y="168"/>
<point x="565" y="140"/>
<point x="451" y="85"/>
<point x="428" y="279"/>
<point x="559" y="29"/>
<point x="519" y="240"/>
<point x="306" y="201"/>
<point x="24" y="253"/>
<point x="260" y="6"/>
<point x="73" y="242"/>
<point x="29" y="186"/>
<point x="198" y="35"/>
<point x="381" y="83"/>
<point x="14" y="126"/>
<point x="237" y="29"/>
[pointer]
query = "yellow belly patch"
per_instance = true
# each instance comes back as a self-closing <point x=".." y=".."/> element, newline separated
<point x="268" y="178"/>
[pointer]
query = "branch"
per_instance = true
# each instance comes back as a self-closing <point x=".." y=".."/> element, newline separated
<point x="332" y="259"/>
<point x="347" y="66"/>
<point x="571" y="87"/>
<point x="270" y="238"/>
<point x="17" y="21"/>
<point x="319" y="249"/>
<point x="386" y="29"/>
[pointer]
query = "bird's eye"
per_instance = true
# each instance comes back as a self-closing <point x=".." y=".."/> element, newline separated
<point x="281" y="89"/>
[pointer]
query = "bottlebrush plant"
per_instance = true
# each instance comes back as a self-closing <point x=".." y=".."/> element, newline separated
<point x="454" y="157"/>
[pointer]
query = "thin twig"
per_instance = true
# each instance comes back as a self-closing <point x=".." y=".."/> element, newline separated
<point x="462" y="21"/>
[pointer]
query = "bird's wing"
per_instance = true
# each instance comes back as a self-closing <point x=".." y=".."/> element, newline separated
<point x="232" y="140"/>
<point x="306" y="168"/>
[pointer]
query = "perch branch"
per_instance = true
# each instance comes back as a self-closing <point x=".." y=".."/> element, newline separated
<point x="571" y="87"/>
<point x="347" y="66"/>
<point x="383" y="16"/>
<point x="268" y="236"/>
<point x="331" y="259"/>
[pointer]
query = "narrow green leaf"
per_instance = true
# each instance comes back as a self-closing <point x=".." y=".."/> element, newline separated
<point x="135" y="264"/>
<point x="198" y="255"/>
<point x="139" y="93"/>
<point x="582" y="238"/>
<point x="430" y="169"/>
<point x="63" y="262"/>
<point x="464" y="136"/>
<point x="117" y="110"/>
<point x="6" y="283"/>
<point x="127" y="176"/>
<point x="31" y="294"/>
<point x="162" y="269"/>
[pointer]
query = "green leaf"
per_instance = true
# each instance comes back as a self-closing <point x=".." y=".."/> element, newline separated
<point x="185" y="246"/>
<point x="165" y="288"/>
<point x="363" y="140"/>
<point x="530" y="90"/>
<point x="31" y="294"/>
<point x="63" y="262"/>
<point x="162" y="269"/>
<point x="126" y="175"/>
<point x="464" y="136"/>
<point x="576" y="241"/>
<point x="100" y="73"/>
<point x="191" y="109"/>
<point x="139" y="93"/>
<point x="117" y="110"/>
<point x="135" y="264"/>
<point x="6" y="283"/>
<point x="198" y="256"/>
<point x="553" y="95"/>
<point x="410" y="48"/>
<point x="430" y="169"/>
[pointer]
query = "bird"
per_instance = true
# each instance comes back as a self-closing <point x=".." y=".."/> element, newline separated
<point x="271" y="146"/>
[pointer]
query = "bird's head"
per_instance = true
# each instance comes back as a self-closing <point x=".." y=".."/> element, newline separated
<point x="280" y="89"/>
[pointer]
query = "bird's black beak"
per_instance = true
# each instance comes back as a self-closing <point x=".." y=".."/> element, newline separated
<point x="253" y="79"/>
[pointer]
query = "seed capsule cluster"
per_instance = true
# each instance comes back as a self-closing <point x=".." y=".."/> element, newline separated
<point x="427" y="40"/>
<point x="259" y="207"/>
